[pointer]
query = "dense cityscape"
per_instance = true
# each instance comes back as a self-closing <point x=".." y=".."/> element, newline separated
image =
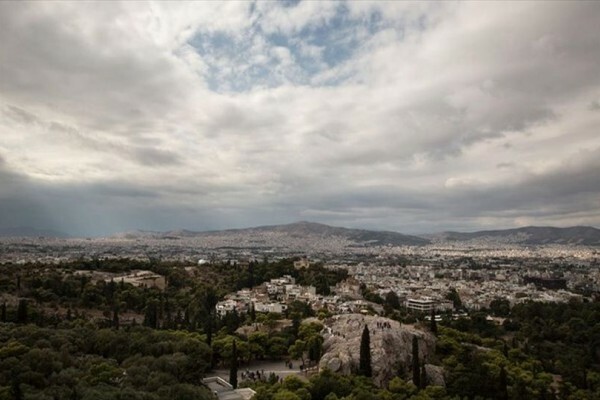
<point x="299" y="314"/>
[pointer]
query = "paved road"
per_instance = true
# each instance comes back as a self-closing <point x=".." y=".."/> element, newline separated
<point x="277" y="367"/>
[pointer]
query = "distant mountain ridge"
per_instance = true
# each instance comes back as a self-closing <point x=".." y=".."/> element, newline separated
<point x="298" y="230"/>
<point x="531" y="235"/>
<point x="377" y="238"/>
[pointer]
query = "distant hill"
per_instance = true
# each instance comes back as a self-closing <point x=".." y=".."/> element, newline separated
<point x="26" y="231"/>
<point x="298" y="230"/>
<point x="377" y="238"/>
<point x="531" y="235"/>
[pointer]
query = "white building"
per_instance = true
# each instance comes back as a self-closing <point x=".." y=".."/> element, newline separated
<point x="278" y="308"/>
<point x="423" y="304"/>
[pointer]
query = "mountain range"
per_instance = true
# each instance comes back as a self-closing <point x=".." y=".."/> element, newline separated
<point x="298" y="230"/>
<point x="530" y="235"/>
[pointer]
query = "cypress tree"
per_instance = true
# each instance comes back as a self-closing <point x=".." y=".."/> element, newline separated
<point x="315" y="348"/>
<point x="208" y="328"/>
<point x="210" y="301"/>
<point x="233" y="371"/>
<point x="168" y="323"/>
<point x="433" y="323"/>
<point x="186" y="318"/>
<point x="151" y="315"/>
<point x="503" y="385"/>
<point x="423" y="377"/>
<point x="22" y="311"/>
<point x="115" y="321"/>
<point x="296" y="321"/>
<point x="364" y="367"/>
<point x="415" y="362"/>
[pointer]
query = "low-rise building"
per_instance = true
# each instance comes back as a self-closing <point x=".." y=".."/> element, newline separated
<point x="302" y="263"/>
<point x="423" y="304"/>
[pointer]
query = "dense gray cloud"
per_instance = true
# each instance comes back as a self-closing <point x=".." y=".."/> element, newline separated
<point x="391" y="115"/>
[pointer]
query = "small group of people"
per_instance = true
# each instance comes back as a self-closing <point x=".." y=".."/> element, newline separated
<point x="384" y="325"/>
<point x="254" y="375"/>
<point x="261" y="376"/>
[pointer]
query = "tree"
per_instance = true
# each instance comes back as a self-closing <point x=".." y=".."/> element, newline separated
<point x="401" y="388"/>
<point x="115" y="320"/>
<point x="503" y="383"/>
<point x="322" y="285"/>
<point x="392" y="300"/>
<point x="364" y="366"/>
<point x="500" y="307"/>
<point x="293" y="383"/>
<point x="22" y="311"/>
<point x="3" y="313"/>
<point x="233" y="370"/>
<point x="285" y="394"/>
<point x="296" y="350"/>
<point x="415" y="362"/>
<point x="296" y="321"/>
<point x="315" y="347"/>
<point x="455" y="298"/>
<point x="433" y="323"/>
<point x="423" y="377"/>
<point x="209" y="299"/>
<point x="327" y="383"/>
<point x="208" y="329"/>
<point x="231" y="321"/>
<point x="151" y="315"/>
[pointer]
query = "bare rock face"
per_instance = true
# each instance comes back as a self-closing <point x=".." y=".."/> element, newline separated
<point x="391" y="346"/>
<point x="435" y="375"/>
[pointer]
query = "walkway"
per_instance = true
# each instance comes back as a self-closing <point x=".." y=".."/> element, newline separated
<point x="265" y="368"/>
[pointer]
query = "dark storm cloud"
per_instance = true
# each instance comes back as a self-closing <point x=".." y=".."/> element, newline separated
<point x="571" y="190"/>
<point x="142" y="155"/>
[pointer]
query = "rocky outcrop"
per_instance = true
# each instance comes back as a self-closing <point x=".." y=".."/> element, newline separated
<point x="435" y="375"/>
<point x="391" y="346"/>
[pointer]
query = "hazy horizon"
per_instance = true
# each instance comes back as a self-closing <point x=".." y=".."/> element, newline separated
<point x="409" y="117"/>
<point x="3" y="231"/>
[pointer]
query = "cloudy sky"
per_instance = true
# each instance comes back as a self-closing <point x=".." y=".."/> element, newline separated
<point x="411" y="117"/>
